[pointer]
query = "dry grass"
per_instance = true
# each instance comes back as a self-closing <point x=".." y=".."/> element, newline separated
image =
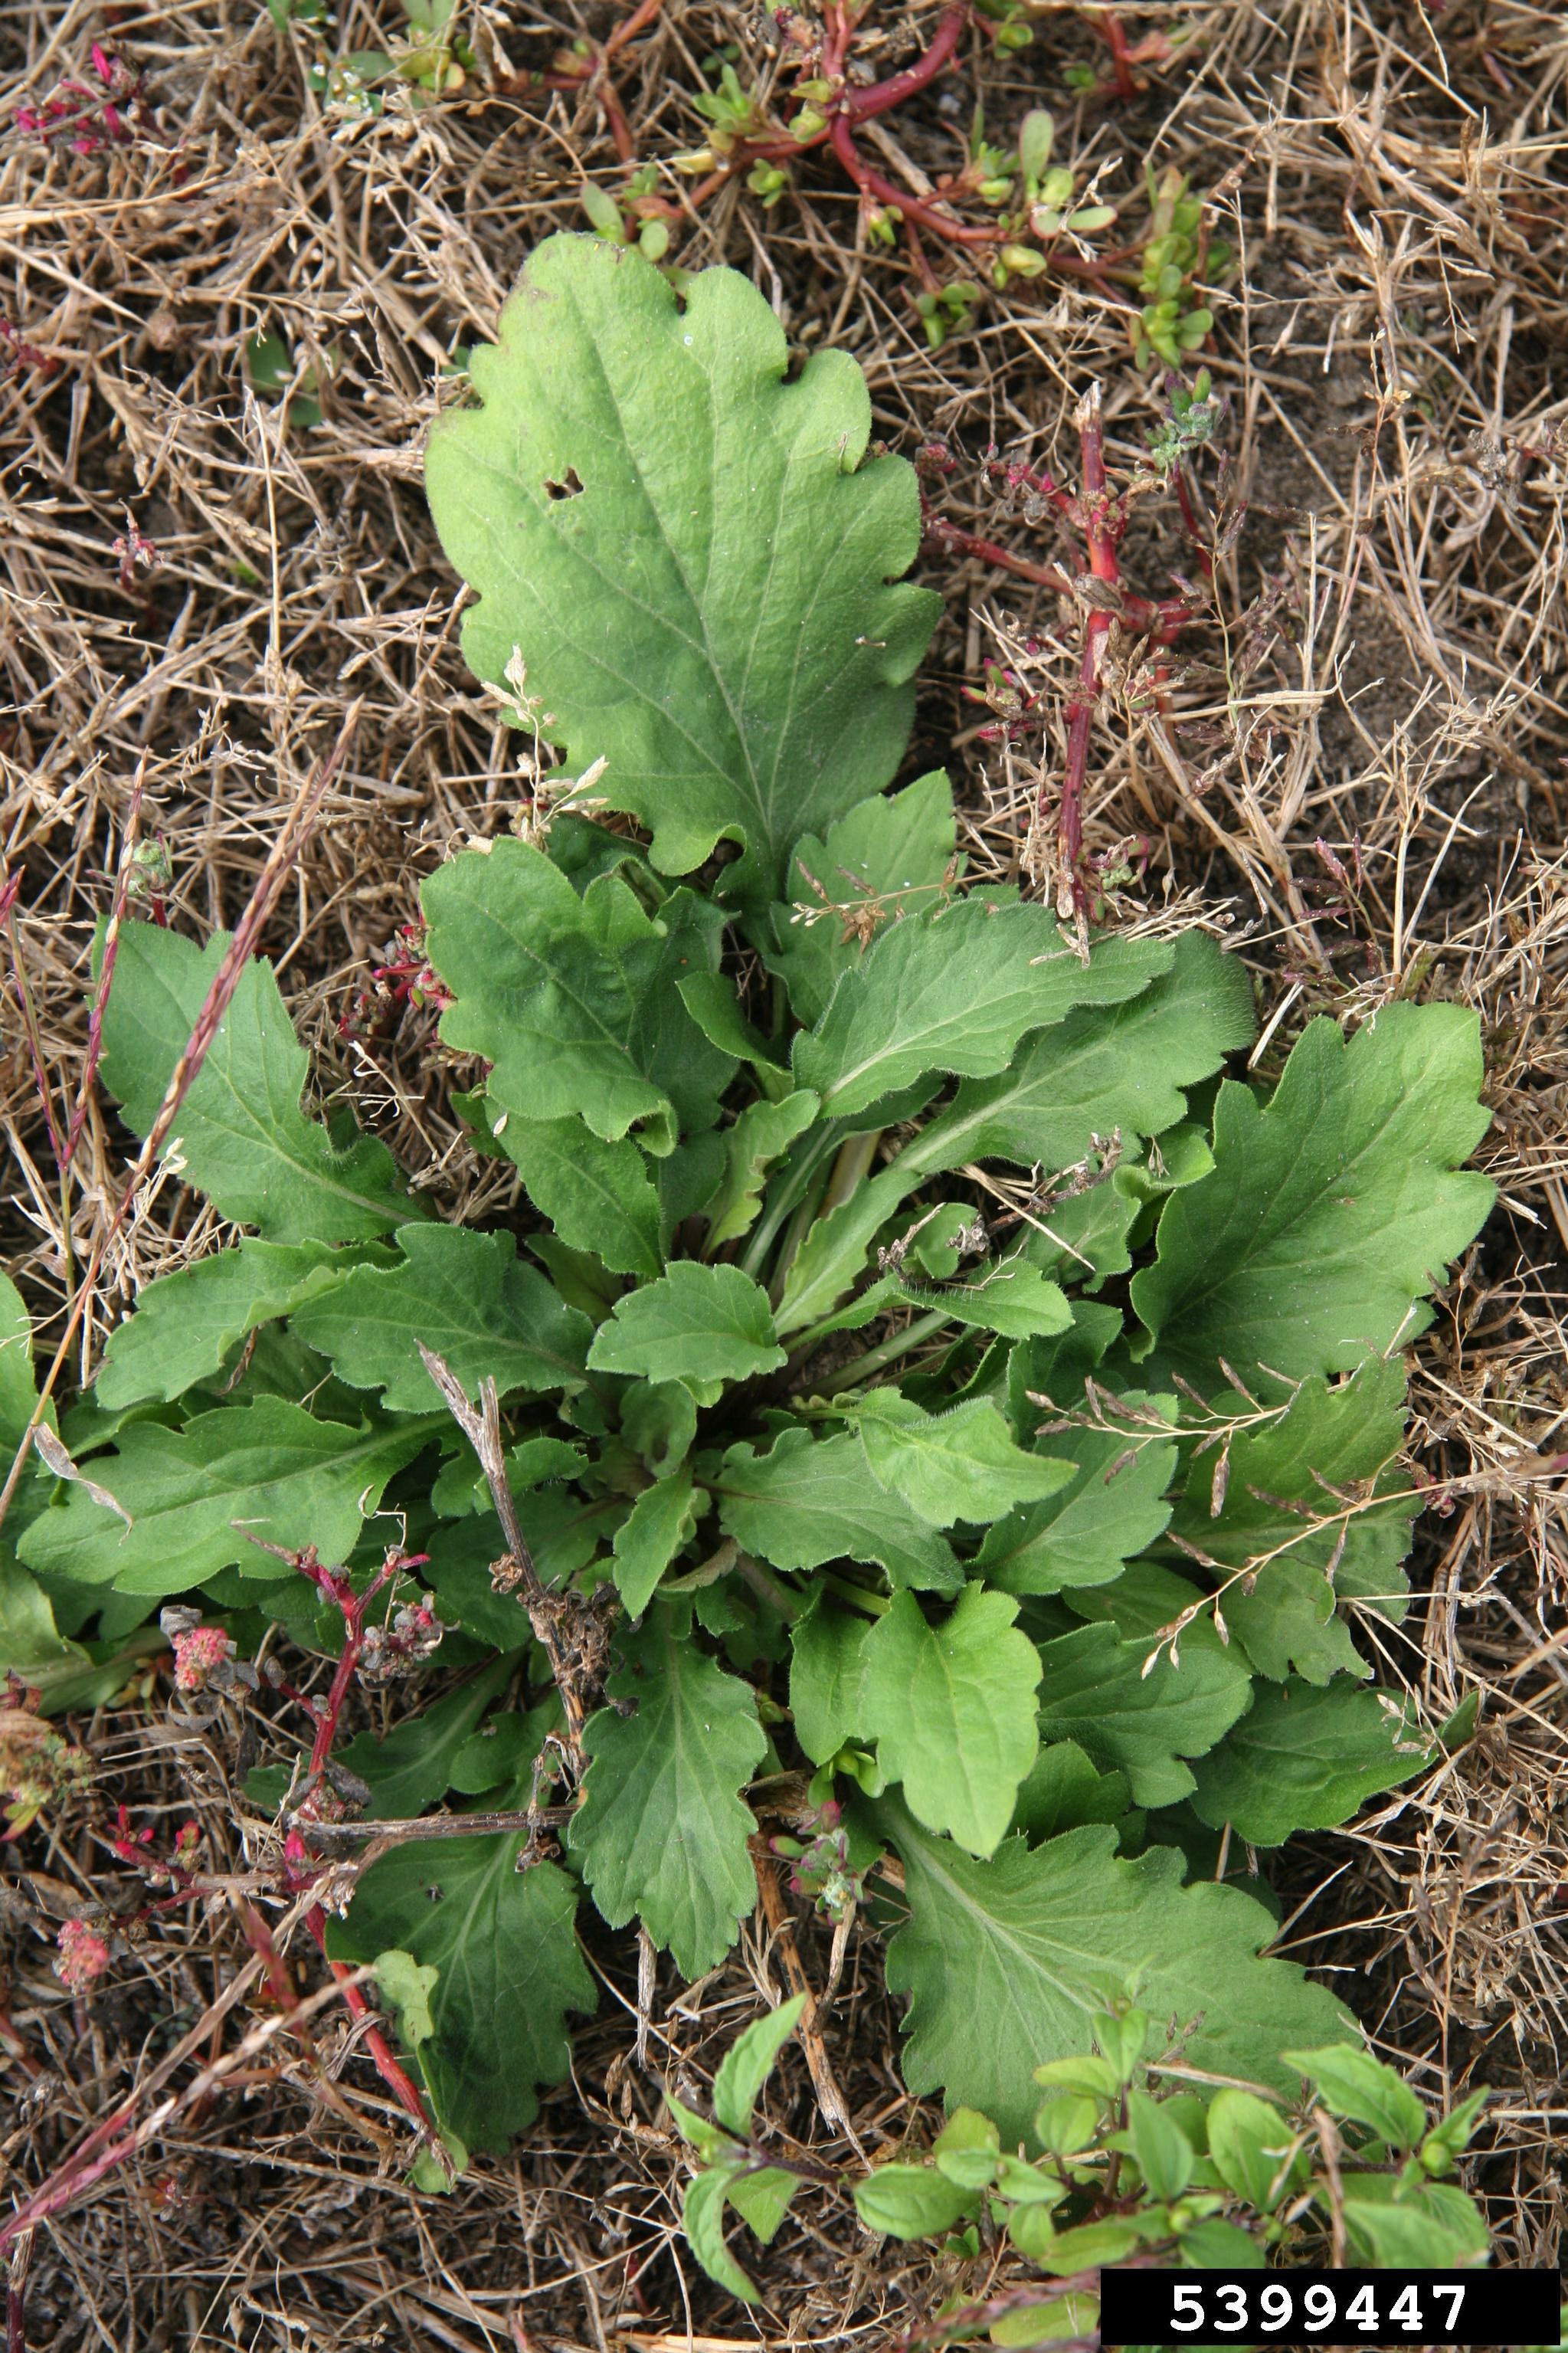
<point x="1368" y="772"/>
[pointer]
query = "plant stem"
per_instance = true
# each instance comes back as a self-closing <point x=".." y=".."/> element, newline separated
<point x="859" y="1597"/>
<point x="913" y="1334"/>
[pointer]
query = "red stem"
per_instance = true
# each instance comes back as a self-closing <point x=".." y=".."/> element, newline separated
<point x="858" y="104"/>
<point x="1108" y="24"/>
<point x="871" y="183"/>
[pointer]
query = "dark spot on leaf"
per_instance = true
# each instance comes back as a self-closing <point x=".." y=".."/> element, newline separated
<point x="570" y="489"/>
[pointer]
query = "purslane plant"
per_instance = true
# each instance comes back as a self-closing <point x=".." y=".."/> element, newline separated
<point x="924" y="1411"/>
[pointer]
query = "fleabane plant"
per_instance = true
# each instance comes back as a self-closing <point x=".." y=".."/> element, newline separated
<point x="923" y="1410"/>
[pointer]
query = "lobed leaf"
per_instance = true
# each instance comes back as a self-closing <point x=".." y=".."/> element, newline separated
<point x="701" y="1325"/>
<point x="952" y="1708"/>
<point x="240" y="1135"/>
<point x="805" y="1503"/>
<point x="1305" y="1758"/>
<point x="690" y="552"/>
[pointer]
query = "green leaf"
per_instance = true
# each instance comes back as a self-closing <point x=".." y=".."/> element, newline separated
<point x="1108" y="1510"/>
<point x="1217" y="2246"/>
<point x="954" y="992"/>
<point x="1007" y="1960"/>
<point x="647" y="1540"/>
<point x="1163" y="2152"/>
<point x="1105" y="1067"/>
<point x="658" y="1422"/>
<point x="952" y="1708"/>
<point x="762" y="2199"/>
<point x="1249" y="2143"/>
<point x="1304" y="1760"/>
<point x="1332" y="1211"/>
<point x="508" y="1970"/>
<point x="240" y="1134"/>
<point x="1282" y="1516"/>
<point x="466" y="1295"/>
<point x="910" y="2201"/>
<point x="1425" y="2226"/>
<point x="702" y="1326"/>
<point x="702" y="2219"/>
<point x="598" y="1196"/>
<point x="661" y="1830"/>
<point x="804" y="1503"/>
<point x="1351" y="2083"/>
<point x="187" y="1322"/>
<point x="1094" y="1691"/>
<point x="827" y="1662"/>
<point x="573" y="1001"/>
<point x="762" y="1131"/>
<point x="1063" y="1789"/>
<point x="748" y="2063"/>
<point x="18" y="1388"/>
<point x="416" y="1762"/>
<point x="195" y="1496"/>
<point x="890" y="856"/>
<point x="710" y="613"/>
<point x="958" y="1465"/>
<point x="407" y="1985"/>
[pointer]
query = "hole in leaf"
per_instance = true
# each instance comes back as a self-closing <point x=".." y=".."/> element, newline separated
<point x="570" y="489"/>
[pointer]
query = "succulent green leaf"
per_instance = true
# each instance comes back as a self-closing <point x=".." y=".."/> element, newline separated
<point x="1304" y="1759"/>
<point x="503" y="1946"/>
<point x="805" y="1503"/>
<point x="647" y="1540"/>
<point x="709" y="612"/>
<point x="240" y="1134"/>
<point x="1316" y="1503"/>
<point x="466" y="1295"/>
<point x="749" y="2061"/>
<point x="702" y="1326"/>
<point x="1094" y="1691"/>
<point x="954" y="991"/>
<point x="661" y="1830"/>
<point x="952" y="1708"/>
<point x="958" y="1465"/>
<point x="1332" y="1211"/>
<point x="573" y="1001"/>
<point x="187" y="1322"/>
<point x="598" y="1195"/>
<point x="197" y="1496"/>
<point x="1006" y="1961"/>
<point x="887" y="857"/>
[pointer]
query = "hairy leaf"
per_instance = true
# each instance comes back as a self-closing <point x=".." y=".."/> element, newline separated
<point x="197" y="1496"/>
<point x="1304" y="1759"/>
<point x="886" y="858"/>
<point x="187" y="1322"/>
<point x="804" y="1503"/>
<point x="508" y="1972"/>
<point x="702" y="1326"/>
<point x="1006" y="1960"/>
<point x="1109" y="1508"/>
<point x="688" y="550"/>
<point x="1106" y="1067"/>
<point x="661" y="1832"/>
<point x="660" y="1522"/>
<point x="954" y="992"/>
<point x="958" y="1465"/>
<point x="1331" y="1210"/>
<point x="1094" y="1691"/>
<point x="598" y="1195"/>
<point x="466" y="1295"/>
<point x="952" y="1708"/>
<point x="764" y="1131"/>
<point x="240" y="1134"/>
<point x="1316" y="1503"/>
<point x="573" y="1001"/>
<point x="826" y="1664"/>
